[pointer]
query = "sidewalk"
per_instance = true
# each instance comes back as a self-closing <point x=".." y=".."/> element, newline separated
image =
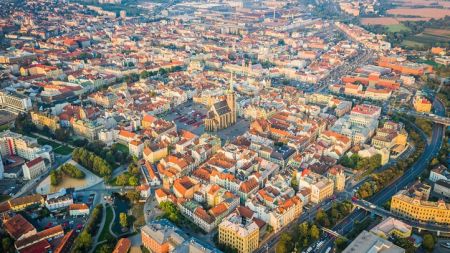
<point x="99" y="231"/>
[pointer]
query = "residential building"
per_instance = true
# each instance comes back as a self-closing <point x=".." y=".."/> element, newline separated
<point x="34" y="168"/>
<point x="42" y="120"/>
<point x="239" y="233"/>
<point x="439" y="173"/>
<point x="18" y="227"/>
<point x="122" y="246"/>
<point x="421" y="104"/>
<point x="321" y="187"/>
<point x="26" y="147"/>
<point x="154" y="152"/>
<point x="336" y="173"/>
<point x="442" y="187"/>
<point x="21" y="203"/>
<point x="78" y="209"/>
<point x="14" y="102"/>
<point x="58" y="202"/>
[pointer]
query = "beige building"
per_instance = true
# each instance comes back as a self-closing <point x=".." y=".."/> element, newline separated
<point x="336" y="173"/>
<point x="42" y="120"/>
<point x="321" y="187"/>
<point x="239" y="233"/>
<point x="367" y="242"/>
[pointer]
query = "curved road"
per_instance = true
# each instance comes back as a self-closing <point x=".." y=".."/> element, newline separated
<point x="431" y="149"/>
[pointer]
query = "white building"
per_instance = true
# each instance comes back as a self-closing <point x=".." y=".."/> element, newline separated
<point x="34" y="168"/>
<point x="59" y="202"/>
<point x="14" y="102"/>
<point x="78" y="209"/>
<point x="438" y="173"/>
<point x="26" y="147"/>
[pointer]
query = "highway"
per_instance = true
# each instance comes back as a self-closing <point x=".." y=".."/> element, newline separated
<point x="409" y="176"/>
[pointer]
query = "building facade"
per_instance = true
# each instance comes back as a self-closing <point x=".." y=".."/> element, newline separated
<point x="420" y="210"/>
<point x="222" y="114"/>
<point x="239" y="233"/>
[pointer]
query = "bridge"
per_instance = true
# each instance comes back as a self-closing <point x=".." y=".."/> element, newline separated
<point x="366" y="205"/>
<point x="332" y="232"/>
<point x="429" y="116"/>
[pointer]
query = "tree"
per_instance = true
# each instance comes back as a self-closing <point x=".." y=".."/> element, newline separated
<point x="428" y="242"/>
<point x="133" y="195"/>
<point x="123" y="220"/>
<point x="133" y="181"/>
<point x="122" y="179"/>
<point x="62" y="134"/>
<point x="314" y="233"/>
<point x="294" y="183"/>
<point x="7" y="245"/>
<point x="106" y="248"/>
<point x="82" y="243"/>
<point x="285" y="244"/>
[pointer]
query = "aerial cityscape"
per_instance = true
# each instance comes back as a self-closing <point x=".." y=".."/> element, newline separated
<point x="224" y="126"/>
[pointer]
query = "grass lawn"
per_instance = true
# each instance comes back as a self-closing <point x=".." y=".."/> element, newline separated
<point x="105" y="235"/>
<point x="4" y="127"/>
<point x="138" y="214"/>
<point x="397" y="28"/>
<point x="4" y="198"/>
<point x="63" y="150"/>
<point x="412" y="44"/>
<point x="429" y="62"/>
<point x="122" y="148"/>
<point x="42" y="141"/>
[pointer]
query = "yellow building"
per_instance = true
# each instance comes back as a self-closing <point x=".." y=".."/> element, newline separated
<point x="155" y="152"/>
<point x="223" y="113"/>
<point x="42" y="120"/>
<point x="420" y="210"/>
<point x="239" y="233"/>
<point x="19" y="204"/>
<point x="336" y="173"/>
<point x="421" y="104"/>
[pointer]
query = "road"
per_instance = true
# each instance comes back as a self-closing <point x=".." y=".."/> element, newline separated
<point x="431" y="149"/>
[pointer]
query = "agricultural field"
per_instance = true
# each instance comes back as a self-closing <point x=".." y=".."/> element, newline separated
<point x="420" y="12"/>
<point x="397" y="28"/>
<point x="430" y="3"/>
<point x="389" y="20"/>
<point x="428" y="37"/>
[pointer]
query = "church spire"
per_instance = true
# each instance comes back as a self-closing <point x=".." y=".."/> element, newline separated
<point x="230" y="88"/>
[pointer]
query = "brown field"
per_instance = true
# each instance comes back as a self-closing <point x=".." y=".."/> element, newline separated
<point x="420" y="12"/>
<point x="379" y="21"/>
<point x="389" y="20"/>
<point x="430" y="3"/>
<point x="413" y="19"/>
<point x="437" y="32"/>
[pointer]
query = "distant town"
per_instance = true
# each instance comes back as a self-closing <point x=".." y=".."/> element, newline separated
<point x="224" y="126"/>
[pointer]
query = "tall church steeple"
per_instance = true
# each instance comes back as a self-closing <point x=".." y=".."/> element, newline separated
<point x="230" y="88"/>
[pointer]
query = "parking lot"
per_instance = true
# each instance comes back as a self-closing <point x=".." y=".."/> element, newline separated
<point x="10" y="186"/>
<point x="189" y="116"/>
